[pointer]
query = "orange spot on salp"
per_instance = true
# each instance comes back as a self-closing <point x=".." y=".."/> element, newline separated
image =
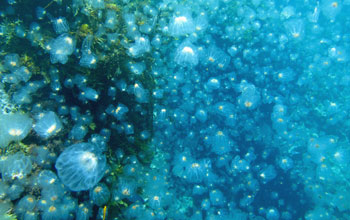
<point x="154" y="177"/>
<point x="220" y="133"/>
<point x="126" y="192"/>
<point x="195" y="165"/>
<point x="296" y="35"/>
<point x="317" y="145"/>
<point x="248" y="104"/>
<point x="98" y="189"/>
<point x="117" y="110"/>
<point x="52" y="208"/>
<point x="52" y="181"/>
<point x="334" y="4"/>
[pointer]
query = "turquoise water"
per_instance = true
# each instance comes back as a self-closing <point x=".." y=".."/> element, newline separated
<point x="217" y="109"/>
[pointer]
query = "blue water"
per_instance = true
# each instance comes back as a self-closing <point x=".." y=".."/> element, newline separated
<point x="217" y="109"/>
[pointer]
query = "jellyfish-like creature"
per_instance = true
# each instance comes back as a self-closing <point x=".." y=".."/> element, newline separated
<point x="81" y="166"/>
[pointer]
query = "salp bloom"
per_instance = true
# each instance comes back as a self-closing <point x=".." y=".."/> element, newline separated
<point x="239" y="165"/>
<point x="14" y="127"/>
<point x="217" y="198"/>
<point x="19" y="74"/>
<point x="287" y="12"/>
<point x="272" y="214"/>
<point x="118" y="112"/>
<point x="78" y="131"/>
<point x="213" y="84"/>
<point x="136" y="68"/>
<point x="88" y="60"/>
<point x="97" y="4"/>
<point x="100" y="194"/>
<point x="315" y="14"/>
<point x="250" y="97"/>
<point x="295" y="28"/>
<point x="26" y="204"/>
<point x="126" y="189"/>
<point x="84" y="211"/>
<point x="141" y="46"/>
<point x="331" y="8"/>
<point x="181" y="25"/>
<point x="46" y="179"/>
<point x="141" y="94"/>
<point x="60" y="25"/>
<point x="16" y="166"/>
<point x="155" y="199"/>
<point x="88" y="93"/>
<point x="338" y="54"/>
<point x="52" y="212"/>
<point x="81" y="166"/>
<point x="220" y="143"/>
<point x="319" y="148"/>
<point x="111" y="19"/>
<point x="11" y="61"/>
<point x="217" y="58"/>
<point x="201" y="22"/>
<point x="201" y="115"/>
<point x="61" y="48"/>
<point x="285" y="163"/>
<point x="195" y="171"/>
<point x="205" y="205"/>
<point x="186" y="55"/>
<point x="267" y="174"/>
<point x="180" y="162"/>
<point x="47" y="125"/>
<point x="285" y="75"/>
<point x="40" y="13"/>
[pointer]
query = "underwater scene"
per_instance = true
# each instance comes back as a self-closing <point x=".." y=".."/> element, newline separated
<point x="174" y="109"/>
